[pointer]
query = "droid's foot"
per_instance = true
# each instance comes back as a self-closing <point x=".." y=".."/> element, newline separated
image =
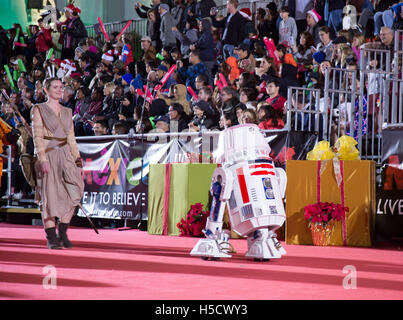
<point x="262" y="245"/>
<point x="209" y="248"/>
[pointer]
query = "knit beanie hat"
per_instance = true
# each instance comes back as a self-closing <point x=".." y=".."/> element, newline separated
<point x="314" y="15"/>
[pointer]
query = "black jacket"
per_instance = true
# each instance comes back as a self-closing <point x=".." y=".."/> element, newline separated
<point x="4" y="44"/>
<point x="236" y="32"/>
<point x="205" y="122"/>
<point x="77" y="31"/>
<point x="206" y="42"/>
<point x="268" y="29"/>
<point x="88" y="74"/>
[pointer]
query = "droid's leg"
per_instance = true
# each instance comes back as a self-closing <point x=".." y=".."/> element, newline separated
<point x="263" y="244"/>
<point x="216" y="244"/>
<point x="276" y="243"/>
<point x="282" y="180"/>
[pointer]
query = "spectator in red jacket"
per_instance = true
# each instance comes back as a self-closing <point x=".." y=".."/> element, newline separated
<point x="269" y="119"/>
<point x="43" y="40"/>
<point x="275" y="99"/>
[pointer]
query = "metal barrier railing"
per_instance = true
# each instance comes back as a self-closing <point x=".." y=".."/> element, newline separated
<point x="340" y="92"/>
<point x="304" y="111"/>
<point x="398" y="53"/>
<point x="8" y="171"/>
<point x="380" y="96"/>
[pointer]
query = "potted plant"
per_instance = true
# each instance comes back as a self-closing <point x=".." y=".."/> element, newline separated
<point x="195" y="221"/>
<point x="321" y="217"/>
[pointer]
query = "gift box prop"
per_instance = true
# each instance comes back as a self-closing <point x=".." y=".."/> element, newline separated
<point x="252" y="189"/>
<point x="173" y="189"/>
<point x="333" y="183"/>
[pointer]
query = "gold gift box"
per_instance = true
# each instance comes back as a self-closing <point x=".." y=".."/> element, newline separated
<point x="359" y="197"/>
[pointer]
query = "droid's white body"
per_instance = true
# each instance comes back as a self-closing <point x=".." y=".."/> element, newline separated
<point x="253" y="191"/>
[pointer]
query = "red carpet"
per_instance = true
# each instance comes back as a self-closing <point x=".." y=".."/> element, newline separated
<point x="136" y="265"/>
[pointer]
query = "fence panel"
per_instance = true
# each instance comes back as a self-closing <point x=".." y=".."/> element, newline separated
<point x="305" y="111"/>
<point x="340" y="98"/>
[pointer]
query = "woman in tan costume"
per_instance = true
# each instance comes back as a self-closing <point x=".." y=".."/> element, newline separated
<point x="59" y="183"/>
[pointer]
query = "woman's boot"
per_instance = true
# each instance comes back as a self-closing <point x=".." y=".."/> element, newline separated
<point x="63" y="236"/>
<point x="53" y="241"/>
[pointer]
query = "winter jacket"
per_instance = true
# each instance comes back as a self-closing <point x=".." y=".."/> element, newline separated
<point x="127" y="55"/>
<point x="190" y="74"/>
<point x="205" y="43"/>
<point x="43" y="40"/>
<point x="150" y="55"/>
<point x="187" y="38"/>
<point x="88" y="74"/>
<point x="153" y="28"/>
<point x="75" y="33"/>
<point x="267" y="29"/>
<point x="288" y="78"/>
<point x="177" y="14"/>
<point x="205" y="123"/>
<point x="166" y="34"/>
<point x="234" y="30"/>
<point x="191" y="7"/>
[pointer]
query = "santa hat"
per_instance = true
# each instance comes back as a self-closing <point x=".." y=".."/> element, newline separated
<point x="70" y="8"/>
<point x="108" y="56"/>
<point x="77" y="10"/>
<point x="68" y="65"/>
<point x="246" y="13"/>
<point x="314" y="15"/>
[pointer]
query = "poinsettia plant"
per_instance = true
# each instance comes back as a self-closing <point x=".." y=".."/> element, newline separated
<point x="195" y="221"/>
<point x="324" y="212"/>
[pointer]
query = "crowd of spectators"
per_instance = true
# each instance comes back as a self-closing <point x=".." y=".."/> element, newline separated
<point x="224" y="74"/>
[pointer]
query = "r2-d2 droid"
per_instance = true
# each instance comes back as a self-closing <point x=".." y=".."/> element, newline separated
<point x="252" y="189"/>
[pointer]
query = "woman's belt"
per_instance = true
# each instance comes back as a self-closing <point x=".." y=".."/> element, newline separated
<point x="63" y="142"/>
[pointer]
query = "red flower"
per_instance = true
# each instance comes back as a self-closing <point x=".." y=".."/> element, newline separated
<point x="324" y="212"/>
<point x="195" y="221"/>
